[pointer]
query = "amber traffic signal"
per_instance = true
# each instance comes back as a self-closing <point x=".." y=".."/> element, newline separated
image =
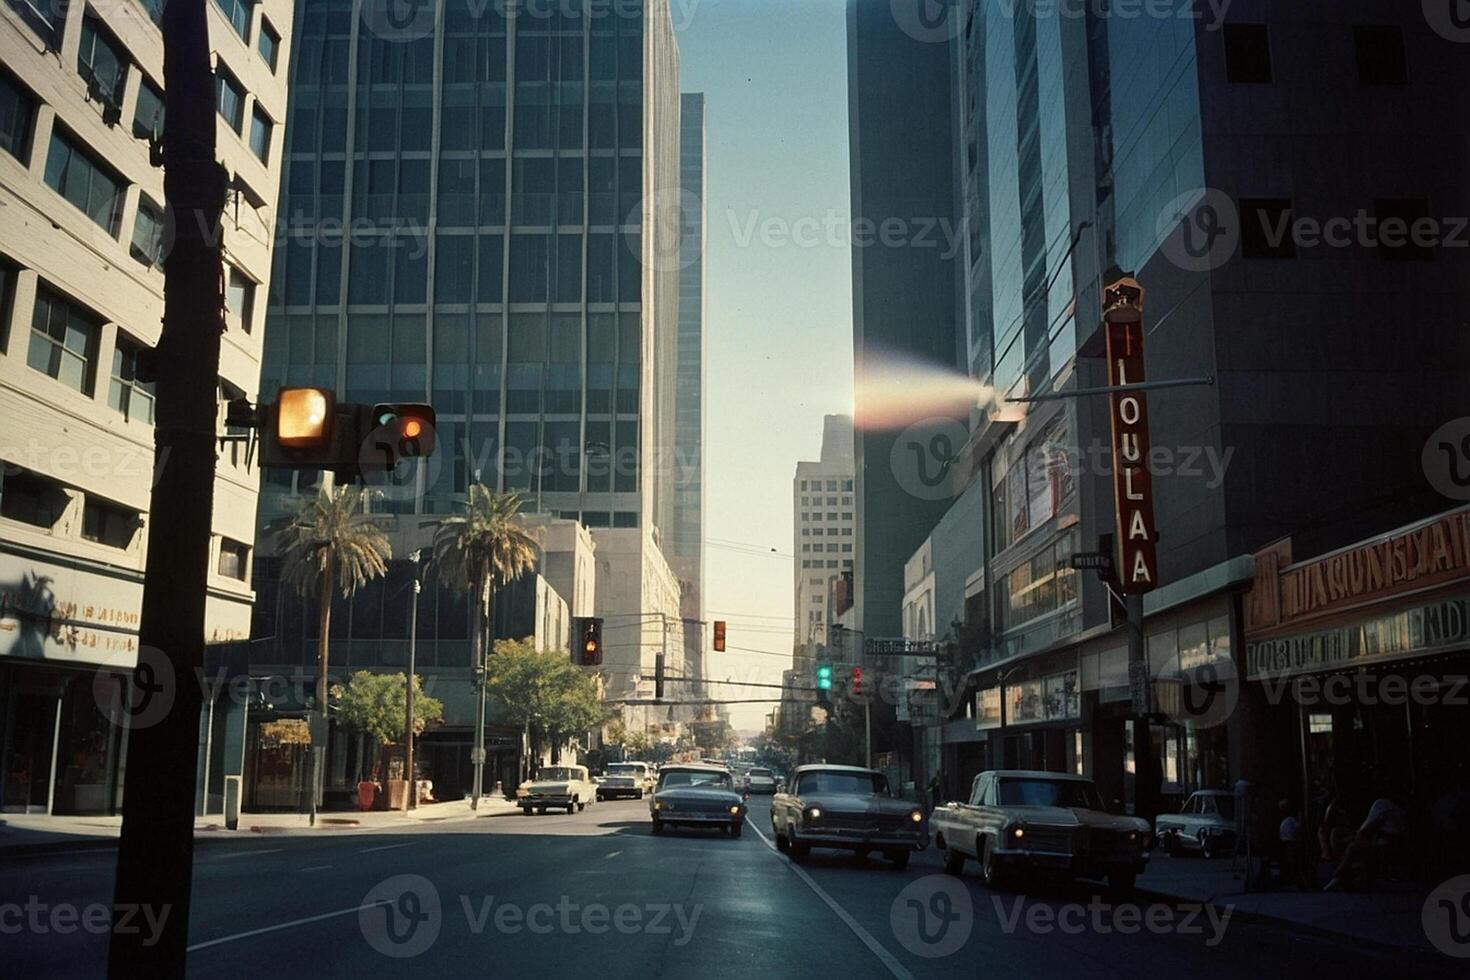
<point x="588" y="646"/>
<point x="719" y="636"/>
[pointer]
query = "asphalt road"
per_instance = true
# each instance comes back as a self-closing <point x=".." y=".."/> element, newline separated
<point x="596" y="894"/>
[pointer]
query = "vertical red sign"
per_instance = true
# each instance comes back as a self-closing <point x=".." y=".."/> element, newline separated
<point x="1133" y="492"/>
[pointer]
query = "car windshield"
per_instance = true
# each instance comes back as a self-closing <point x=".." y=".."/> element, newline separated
<point x="556" y="773"/>
<point x="690" y="777"/>
<point x="1224" y="806"/>
<point x="625" y="769"/>
<point x="764" y="773"/>
<point x="1049" y="792"/>
<point x="845" y="783"/>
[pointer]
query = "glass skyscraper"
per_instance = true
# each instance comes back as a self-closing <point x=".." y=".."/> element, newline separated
<point x="469" y="217"/>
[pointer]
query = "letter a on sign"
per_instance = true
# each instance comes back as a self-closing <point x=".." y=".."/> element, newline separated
<point x="1133" y="493"/>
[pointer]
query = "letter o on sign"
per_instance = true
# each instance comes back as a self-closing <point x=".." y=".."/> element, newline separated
<point x="1128" y="410"/>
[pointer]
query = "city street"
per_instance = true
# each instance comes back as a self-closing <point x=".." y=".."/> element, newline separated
<point x="595" y="892"/>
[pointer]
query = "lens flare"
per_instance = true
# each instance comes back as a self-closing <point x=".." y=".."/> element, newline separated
<point x="896" y="390"/>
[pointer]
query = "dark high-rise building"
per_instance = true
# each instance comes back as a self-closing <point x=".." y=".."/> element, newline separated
<point x="903" y="286"/>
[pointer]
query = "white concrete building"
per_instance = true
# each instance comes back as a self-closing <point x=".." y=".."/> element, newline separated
<point x="822" y="505"/>
<point x="82" y="241"/>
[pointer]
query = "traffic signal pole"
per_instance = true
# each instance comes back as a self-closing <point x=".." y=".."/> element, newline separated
<point x="155" y="856"/>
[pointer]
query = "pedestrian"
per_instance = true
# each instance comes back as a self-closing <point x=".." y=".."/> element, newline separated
<point x="1335" y="832"/>
<point x="1382" y="838"/>
<point x="1293" y="851"/>
<point x="936" y="791"/>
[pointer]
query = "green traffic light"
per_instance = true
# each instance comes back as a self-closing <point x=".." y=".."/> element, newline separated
<point x="824" y="677"/>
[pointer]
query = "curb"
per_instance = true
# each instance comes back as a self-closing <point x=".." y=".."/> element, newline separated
<point x="1260" y="918"/>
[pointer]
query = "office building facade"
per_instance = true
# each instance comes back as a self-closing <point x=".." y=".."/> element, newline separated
<point x="82" y="247"/>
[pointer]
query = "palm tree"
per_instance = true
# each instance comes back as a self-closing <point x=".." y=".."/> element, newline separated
<point x="476" y="552"/>
<point x="331" y="543"/>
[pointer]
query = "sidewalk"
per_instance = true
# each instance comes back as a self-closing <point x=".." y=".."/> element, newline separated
<point x="22" y="833"/>
<point x="1388" y="915"/>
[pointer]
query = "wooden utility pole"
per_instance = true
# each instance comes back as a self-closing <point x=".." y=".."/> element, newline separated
<point x="155" y="859"/>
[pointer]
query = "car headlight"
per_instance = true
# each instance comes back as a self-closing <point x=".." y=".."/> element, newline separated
<point x="814" y="813"/>
<point x="657" y="805"/>
<point x="917" y="816"/>
<point x="1018" y="832"/>
<point x="1132" y="836"/>
<point x="735" y="810"/>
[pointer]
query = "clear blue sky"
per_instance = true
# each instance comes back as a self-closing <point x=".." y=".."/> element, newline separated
<point x="779" y="327"/>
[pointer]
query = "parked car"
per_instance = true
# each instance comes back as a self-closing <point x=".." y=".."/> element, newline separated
<point x="846" y="808"/>
<point x="697" y="795"/>
<point x="1019" y="821"/>
<point x="1205" y="823"/>
<point x="566" y="787"/>
<point x="623" y="780"/>
<point x="760" y="781"/>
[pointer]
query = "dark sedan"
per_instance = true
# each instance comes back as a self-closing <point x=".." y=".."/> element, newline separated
<point x="847" y="808"/>
<point x="694" y="795"/>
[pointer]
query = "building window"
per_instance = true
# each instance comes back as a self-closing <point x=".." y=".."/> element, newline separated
<point x="240" y="298"/>
<point x="1247" y="54"/>
<point x="147" y="244"/>
<point x="260" y="134"/>
<point x="1406" y="232"/>
<point x="234" y="559"/>
<point x="63" y="341"/>
<point x="83" y="181"/>
<point x="17" y="113"/>
<point x="230" y="98"/>
<point x="108" y="524"/>
<point x="268" y="44"/>
<point x="237" y="12"/>
<point x="30" y="498"/>
<point x="43" y="17"/>
<point x="1265" y="228"/>
<point x="102" y="63"/>
<point x="1381" y="59"/>
<point x="125" y="393"/>
<point x="148" y="115"/>
<point x="847" y="485"/>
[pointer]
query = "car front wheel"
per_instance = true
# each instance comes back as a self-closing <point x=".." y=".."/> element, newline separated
<point x="954" y="861"/>
<point x="799" y="851"/>
<point x="1207" y="847"/>
<point x="989" y="863"/>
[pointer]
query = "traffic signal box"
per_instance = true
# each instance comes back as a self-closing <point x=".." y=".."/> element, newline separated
<point x="307" y="429"/>
<point x="587" y="647"/>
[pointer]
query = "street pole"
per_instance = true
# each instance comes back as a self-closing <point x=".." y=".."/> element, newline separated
<point x="155" y="858"/>
<point x="478" y="756"/>
<point x="411" y="798"/>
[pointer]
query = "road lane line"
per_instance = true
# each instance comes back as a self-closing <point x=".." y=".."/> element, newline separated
<point x="609" y="857"/>
<point x="235" y="854"/>
<point x="386" y="847"/>
<point x="866" y="938"/>
<point x="319" y="867"/>
<point x="278" y="927"/>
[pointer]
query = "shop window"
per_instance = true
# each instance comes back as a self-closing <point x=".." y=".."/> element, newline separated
<point x="1247" y="54"/>
<point x="30" y="498"/>
<point x="1380" y="51"/>
<point x="109" y="524"/>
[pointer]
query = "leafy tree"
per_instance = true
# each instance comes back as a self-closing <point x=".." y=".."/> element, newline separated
<point x="373" y="704"/>
<point x="542" y="690"/>
<point x="330" y="543"/>
<point x="482" y="549"/>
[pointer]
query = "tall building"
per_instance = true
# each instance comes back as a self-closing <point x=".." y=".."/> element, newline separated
<point x="82" y="246"/>
<point x="1171" y="148"/>
<point x="903" y="290"/>
<point x="470" y="216"/>
<point x="686" y="551"/>
<point x="824" y="519"/>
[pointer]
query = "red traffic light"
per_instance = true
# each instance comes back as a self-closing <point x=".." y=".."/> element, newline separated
<point x="397" y="432"/>
<point x="857" y="682"/>
<point x="719" y="636"/>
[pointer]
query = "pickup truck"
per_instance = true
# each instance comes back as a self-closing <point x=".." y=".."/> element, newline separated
<point x="847" y="808"/>
<point x="1043" y="822"/>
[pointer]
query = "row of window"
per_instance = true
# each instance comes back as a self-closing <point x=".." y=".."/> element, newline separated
<point x="40" y="502"/>
<point x="832" y="486"/>
<point x="1379" y="51"/>
<point x="831" y="501"/>
<point x="817" y="532"/>
<point x="818" y="563"/>
<point x="832" y="515"/>
<point x="807" y="548"/>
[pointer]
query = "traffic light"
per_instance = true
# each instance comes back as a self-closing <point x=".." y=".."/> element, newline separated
<point x="308" y="429"/>
<point x="397" y="432"/>
<point x="857" y="682"/>
<point x="719" y="636"/>
<point x="824" y="677"/>
<point x="588" y="641"/>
